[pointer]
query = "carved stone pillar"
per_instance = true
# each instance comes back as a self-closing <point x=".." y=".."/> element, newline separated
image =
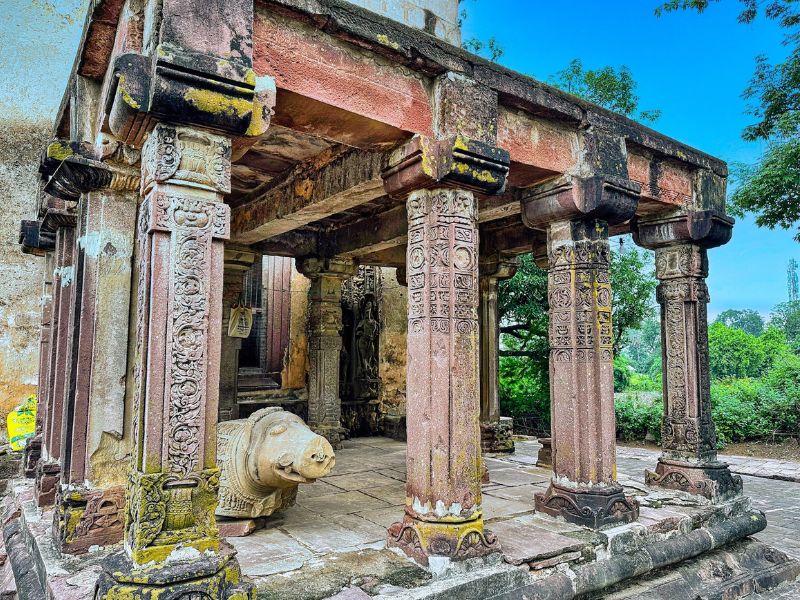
<point x="237" y="262"/>
<point x="443" y="516"/>
<point x="48" y="469"/>
<point x="496" y="434"/>
<point x="325" y="343"/>
<point x="171" y="539"/>
<point x="688" y="460"/>
<point x="584" y="489"/>
<point x="443" y="513"/>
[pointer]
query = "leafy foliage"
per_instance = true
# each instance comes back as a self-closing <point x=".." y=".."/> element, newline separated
<point x="734" y="352"/>
<point x="614" y="89"/>
<point x="747" y="320"/>
<point x="637" y="415"/>
<point x="633" y="284"/>
<point x="786" y="317"/>
<point x="770" y="188"/>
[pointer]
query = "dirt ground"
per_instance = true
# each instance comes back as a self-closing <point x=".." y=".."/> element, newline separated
<point x="787" y="450"/>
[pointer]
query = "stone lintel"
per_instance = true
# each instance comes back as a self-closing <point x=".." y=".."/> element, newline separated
<point x="607" y="198"/>
<point x="314" y="267"/>
<point x="33" y="240"/>
<point x="462" y="106"/>
<point x="498" y="266"/>
<point x="238" y="259"/>
<point x="457" y="162"/>
<point x="703" y="228"/>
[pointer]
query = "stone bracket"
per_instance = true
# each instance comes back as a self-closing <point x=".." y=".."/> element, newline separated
<point x="606" y="198"/>
<point x="33" y="240"/>
<point x="704" y="228"/>
<point x="453" y="162"/>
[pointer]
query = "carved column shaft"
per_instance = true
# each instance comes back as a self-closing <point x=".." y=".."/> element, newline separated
<point x="443" y="510"/>
<point x="689" y="458"/>
<point x="584" y="487"/>
<point x="495" y="436"/>
<point x="237" y="263"/>
<point x="325" y="343"/>
<point x="183" y="223"/>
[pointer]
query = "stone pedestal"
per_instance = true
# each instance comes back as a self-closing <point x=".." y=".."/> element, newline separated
<point x="496" y="434"/>
<point x="237" y="262"/>
<point x="584" y="489"/>
<point x="443" y="511"/>
<point x="174" y="479"/>
<point x="689" y="457"/>
<point x="545" y="456"/>
<point x="325" y="343"/>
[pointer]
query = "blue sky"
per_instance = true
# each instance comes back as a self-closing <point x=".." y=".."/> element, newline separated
<point x="692" y="67"/>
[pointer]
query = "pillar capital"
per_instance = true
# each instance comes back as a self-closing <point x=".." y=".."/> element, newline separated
<point x="337" y="267"/>
<point x="702" y="228"/>
<point x="454" y="162"/>
<point x="607" y="198"/>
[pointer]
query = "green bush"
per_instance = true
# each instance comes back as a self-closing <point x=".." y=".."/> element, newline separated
<point x="622" y="373"/>
<point x="524" y="390"/>
<point x="643" y="383"/>
<point x="734" y="352"/>
<point x="734" y="408"/>
<point x="638" y="414"/>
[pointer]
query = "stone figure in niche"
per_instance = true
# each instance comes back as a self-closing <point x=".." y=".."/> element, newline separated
<point x="263" y="460"/>
<point x="367" y="339"/>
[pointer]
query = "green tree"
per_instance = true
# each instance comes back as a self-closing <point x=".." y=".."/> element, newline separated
<point x="614" y="89"/>
<point x="786" y="317"/>
<point x="490" y="49"/>
<point x="643" y="346"/>
<point x="747" y="320"/>
<point x="734" y="353"/>
<point x="770" y="189"/>
<point x="632" y="285"/>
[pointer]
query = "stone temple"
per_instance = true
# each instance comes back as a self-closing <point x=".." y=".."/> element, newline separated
<point x="271" y="233"/>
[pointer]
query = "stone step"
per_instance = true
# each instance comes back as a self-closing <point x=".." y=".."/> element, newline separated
<point x="739" y="570"/>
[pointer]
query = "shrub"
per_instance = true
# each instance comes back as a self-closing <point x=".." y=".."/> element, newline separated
<point x="734" y="353"/>
<point x="638" y="414"/>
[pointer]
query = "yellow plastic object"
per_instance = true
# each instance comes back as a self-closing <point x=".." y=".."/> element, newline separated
<point x="22" y="423"/>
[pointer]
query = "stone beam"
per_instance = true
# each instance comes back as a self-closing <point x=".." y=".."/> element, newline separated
<point x="311" y="192"/>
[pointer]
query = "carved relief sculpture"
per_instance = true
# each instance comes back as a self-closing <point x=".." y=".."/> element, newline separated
<point x="263" y="460"/>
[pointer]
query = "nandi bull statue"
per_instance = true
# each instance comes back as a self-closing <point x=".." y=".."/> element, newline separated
<point x="263" y="459"/>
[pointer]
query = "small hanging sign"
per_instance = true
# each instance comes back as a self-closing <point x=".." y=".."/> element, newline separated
<point x="240" y="322"/>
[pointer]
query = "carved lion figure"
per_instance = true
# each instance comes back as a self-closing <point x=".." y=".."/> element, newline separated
<point x="264" y="458"/>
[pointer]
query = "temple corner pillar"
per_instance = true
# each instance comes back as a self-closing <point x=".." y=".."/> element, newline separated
<point x="576" y="213"/>
<point x="688" y="460"/>
<point x="443" y="519"/>
<point x="496" y="431"/>
<point x="325" y="343"/>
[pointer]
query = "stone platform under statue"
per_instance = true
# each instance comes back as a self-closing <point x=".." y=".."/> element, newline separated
<point x="334" y="537"/>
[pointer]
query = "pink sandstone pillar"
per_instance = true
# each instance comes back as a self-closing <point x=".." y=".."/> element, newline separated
<point x="496" y="436"/>
<point x="325" y="343"/>
<point x="57" y="371"/>
<point x="443" y="507"/>
<point x="688" y="460"/>
<point x="584" y="489"/>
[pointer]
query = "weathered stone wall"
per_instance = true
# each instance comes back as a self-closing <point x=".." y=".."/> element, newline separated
<point x="413" y="13"/>
<point x="20" y="275"/>
<point x="294" y="371"/>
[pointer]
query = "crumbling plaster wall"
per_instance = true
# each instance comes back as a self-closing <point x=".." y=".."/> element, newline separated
<point x="21" y="143"/>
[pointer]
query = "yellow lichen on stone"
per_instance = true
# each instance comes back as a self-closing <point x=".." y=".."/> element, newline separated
<point x="384" y="39"/>
<point x="124" y="93"/>
<point x="59" y="151"/>
<point x="216" y="103"/>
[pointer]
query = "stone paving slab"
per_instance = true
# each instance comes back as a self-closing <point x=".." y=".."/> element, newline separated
<point x="340" y="504"/>
<point x="524" y="544"/>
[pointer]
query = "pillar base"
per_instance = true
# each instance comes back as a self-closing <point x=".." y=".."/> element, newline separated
<point x="47" y="478"/>
<point x="712" y="480"/>
<point x="423" y="540"/>
<point x="333" y="433"/>
<point x="85" y="518"/>
<point x="595" y="508"/>
<point x="498" y="436"/>
<point x="545" y="456"/>
<point x="31" y="455"/>
<point x="201" y="576"/>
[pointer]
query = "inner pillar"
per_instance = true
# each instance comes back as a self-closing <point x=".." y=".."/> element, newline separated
<point x="237" y="262"/>
<point x="496" y="434"/>
<point x="325" y="343"/>
<point x="584" y="489"/>
<point x="443" y="517"/>
<point x="172" y="545"/>
<point x="688" y="460"/>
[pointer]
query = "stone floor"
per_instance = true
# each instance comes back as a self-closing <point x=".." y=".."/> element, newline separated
<point x="347" y="513"/>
